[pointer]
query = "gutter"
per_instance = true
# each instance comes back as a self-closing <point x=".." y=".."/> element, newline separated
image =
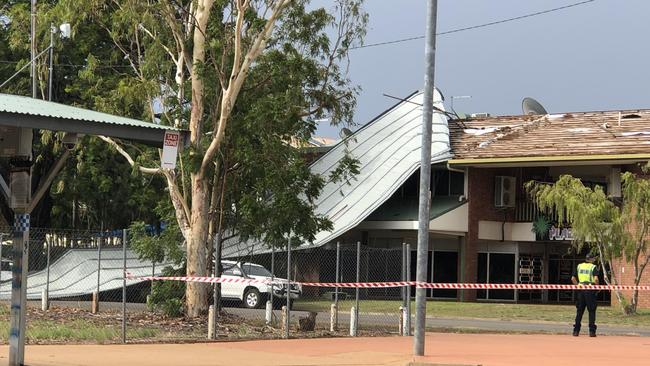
<point x="529" y="159"/>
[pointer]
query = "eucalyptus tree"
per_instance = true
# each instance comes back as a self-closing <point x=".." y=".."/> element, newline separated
<point x="618" y="233"/>
<point x="248" y="78"/>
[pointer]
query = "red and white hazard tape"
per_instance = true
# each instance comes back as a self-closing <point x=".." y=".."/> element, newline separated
<point x="452" y="286"/>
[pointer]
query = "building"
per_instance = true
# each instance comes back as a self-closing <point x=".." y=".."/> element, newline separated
<point x="481" y="219"/>
<point x="500" y="154"/>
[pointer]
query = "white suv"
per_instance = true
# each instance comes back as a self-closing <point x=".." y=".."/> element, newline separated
<point x="254" y="295"/>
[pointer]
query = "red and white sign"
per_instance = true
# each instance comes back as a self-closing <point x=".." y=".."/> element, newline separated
<point x="170" y="149"/>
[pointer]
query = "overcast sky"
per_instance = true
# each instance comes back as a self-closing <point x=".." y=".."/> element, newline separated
<point x="586" y="58"/>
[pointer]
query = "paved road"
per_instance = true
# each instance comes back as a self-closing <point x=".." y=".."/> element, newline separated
<point x="447" y="349"/>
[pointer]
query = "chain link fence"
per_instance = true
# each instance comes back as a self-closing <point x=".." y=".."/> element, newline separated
<point x="77" y="292"/>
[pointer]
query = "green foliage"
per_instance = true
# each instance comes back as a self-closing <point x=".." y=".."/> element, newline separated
<point x="167" y="296"/>
<point x="166" y="246"/>
<point x="594" y="219"/>
<point x="611" y="231"/>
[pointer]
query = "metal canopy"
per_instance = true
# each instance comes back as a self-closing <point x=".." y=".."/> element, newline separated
<point x="19" y="111"/>
<point x="388" y="152"/>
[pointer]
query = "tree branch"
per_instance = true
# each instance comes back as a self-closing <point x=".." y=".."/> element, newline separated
<point x="128" y="157"/>
<point x="229" y="96"/>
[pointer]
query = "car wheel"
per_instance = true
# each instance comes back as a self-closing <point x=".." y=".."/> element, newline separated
<point x="252" y="298"/>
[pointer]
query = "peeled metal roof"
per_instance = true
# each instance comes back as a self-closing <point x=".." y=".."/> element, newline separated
<point x="75" y="274"/>
<point x="388" y="151"/>
<point x="20" y="111"/>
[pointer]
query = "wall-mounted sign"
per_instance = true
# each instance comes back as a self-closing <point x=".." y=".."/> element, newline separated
<point x="170" y="150"/>
<point x="560" y="233"/>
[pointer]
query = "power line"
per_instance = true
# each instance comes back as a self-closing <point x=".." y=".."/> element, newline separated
<point x="100" y="66"/>
<point x="388" y="42"/>
<point x="477" y="26"/>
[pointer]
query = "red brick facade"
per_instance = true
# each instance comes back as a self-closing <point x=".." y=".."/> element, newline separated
<point x="480" y="195"/>
<point x="626" y="277"/>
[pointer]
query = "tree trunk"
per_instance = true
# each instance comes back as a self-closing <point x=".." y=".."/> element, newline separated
<point x="196" y="294"/>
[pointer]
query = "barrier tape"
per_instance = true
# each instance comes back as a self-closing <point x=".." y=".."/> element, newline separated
<point x="452" y="286"/>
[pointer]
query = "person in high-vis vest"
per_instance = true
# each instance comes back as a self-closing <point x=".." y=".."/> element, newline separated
<point x="585" y="273"/>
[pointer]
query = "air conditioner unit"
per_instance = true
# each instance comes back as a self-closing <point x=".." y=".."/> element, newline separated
<point x="504" y="191"/>
<point x="15" y="142"/>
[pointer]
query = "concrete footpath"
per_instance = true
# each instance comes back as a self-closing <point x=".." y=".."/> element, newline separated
<point x="441" y="349"/>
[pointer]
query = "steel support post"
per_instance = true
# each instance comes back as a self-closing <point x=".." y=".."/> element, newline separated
<point x="19" y="289"/>
<point x="408" y="290"/>
<point x="288" y="293"/>
<point x="124" y="242"/>
<point x="47" y="274"/>
<point x="356" y="306"/>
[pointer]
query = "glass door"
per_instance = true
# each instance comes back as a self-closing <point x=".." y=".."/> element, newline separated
<point x="496" y="268"/>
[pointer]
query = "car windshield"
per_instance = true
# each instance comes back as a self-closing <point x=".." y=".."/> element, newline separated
<point x="255" y="270"/>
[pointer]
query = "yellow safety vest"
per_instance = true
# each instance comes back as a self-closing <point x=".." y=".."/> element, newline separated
<point x="586" y="273"/>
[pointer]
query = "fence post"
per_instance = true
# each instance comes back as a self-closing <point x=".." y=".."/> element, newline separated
<point x="288" y="293"/>
<point x="408" y="289"/>
<point x="47" y="276"/>
<point x="285" y="322"/>
<point x="99" y="266"/>
<point x="356" y="318"/>
<point x="403" y="274"/>
<point x="336" y="289"/>
<point x="270" y="320"/>
<point x="353" y="322"/>
<point x="211" y="324"/>
<point x="124" y="233"/>
<point x="216" y="287"/>
<point x="1" y="237"/>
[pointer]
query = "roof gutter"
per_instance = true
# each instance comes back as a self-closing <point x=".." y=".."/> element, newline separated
<point x="537" y="159"/>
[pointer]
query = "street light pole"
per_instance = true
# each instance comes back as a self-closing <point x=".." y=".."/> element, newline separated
<point x="425" y="178"/>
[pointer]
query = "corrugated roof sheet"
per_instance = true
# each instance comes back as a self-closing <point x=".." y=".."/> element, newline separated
<point x="388" y="151"/>
<point x="35" y="107"/>
<point x="568" y="134"/>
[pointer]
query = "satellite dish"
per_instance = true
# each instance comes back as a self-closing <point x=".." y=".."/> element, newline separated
<point x="345" y="132"/>
<point x="531" y="106"/>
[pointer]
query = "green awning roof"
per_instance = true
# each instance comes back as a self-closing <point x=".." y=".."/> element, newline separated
<point x="402" y="209"/>
<point x="19" y="111"/>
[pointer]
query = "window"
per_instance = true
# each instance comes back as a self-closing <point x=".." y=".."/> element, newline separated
<point x="229" y="269"/>
<point x="447" y="183"/>
<point x="255" y="270"/>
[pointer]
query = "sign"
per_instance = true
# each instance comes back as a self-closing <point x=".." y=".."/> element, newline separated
<point x="557" y="233"/>
<point x="170" y="150"/>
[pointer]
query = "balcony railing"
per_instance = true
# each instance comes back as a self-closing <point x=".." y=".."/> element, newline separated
<point x="528" y="211"/>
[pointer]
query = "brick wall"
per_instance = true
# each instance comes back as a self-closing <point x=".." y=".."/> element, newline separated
<point x="626" y="277"/>
<point x="480" y="198"/>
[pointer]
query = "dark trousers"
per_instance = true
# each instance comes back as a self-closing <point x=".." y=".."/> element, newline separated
<point x="586" y="299"/>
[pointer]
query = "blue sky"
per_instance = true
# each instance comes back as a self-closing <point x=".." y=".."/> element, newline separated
<point x="589" y="57"/>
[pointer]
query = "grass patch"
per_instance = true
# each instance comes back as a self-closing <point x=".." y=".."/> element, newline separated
<point x="39" y="331"/>
<point x="508" y="312"/>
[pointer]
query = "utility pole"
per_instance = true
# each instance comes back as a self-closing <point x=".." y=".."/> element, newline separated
<point x="33" y="39"/>
<point x="425" y="178"/>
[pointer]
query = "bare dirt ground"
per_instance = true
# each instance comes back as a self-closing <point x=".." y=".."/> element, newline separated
<point x="441" y="348"/>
